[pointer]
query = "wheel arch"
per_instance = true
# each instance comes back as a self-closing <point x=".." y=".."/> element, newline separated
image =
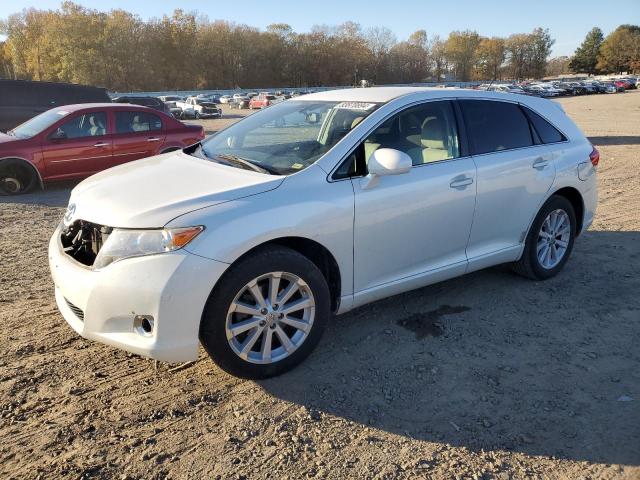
<point x="28" y="162"/>
<point x="577" y="202"/>
<point x="317" y="253"/>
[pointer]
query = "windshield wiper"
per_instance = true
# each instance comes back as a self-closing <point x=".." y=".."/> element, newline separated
<point x="247" y="163"/>
<point x="232" y="160"/>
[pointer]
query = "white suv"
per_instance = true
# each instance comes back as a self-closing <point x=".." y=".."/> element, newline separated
<point x="248" y="242"/>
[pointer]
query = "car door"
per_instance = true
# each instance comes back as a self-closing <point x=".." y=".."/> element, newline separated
<point x="138" y="134"/>
<point x="78" y="146"/>
<point x="514" y="174"/>
<point x="408" y="225"/>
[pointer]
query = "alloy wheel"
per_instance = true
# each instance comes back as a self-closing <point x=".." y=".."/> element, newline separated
<point x="553" y="239"/>
<point x="270" y="317"/>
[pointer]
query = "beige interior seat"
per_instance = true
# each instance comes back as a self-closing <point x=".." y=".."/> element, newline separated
<point x="434" y="143"/>
<point x="97" y="128"/>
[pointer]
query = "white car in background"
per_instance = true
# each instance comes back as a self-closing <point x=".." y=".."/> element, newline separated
<point x="225" y="98"/>
<point x="248" y="242"/>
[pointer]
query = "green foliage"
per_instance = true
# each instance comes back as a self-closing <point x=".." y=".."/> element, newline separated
<point x="620" y="51"/>
<point x="585" y="58"/>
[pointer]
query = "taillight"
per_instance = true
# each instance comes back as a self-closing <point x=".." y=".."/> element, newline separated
<point x="594" y="156"/>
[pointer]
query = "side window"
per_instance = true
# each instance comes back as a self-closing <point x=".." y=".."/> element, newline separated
<point x="86" y="125"/>
<point x="547" y="132"/>
<point x="494" y="126"/>
<point x="128" y="122"/>
<point x="427" y="133"/>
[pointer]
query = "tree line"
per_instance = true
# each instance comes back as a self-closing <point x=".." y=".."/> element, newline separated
<point x="617" y="53"/>
<point x="185" y="51"/>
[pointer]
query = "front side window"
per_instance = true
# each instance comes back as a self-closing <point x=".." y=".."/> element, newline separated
<point x="427" y="133"/>
<point x="133" y="122"/>
<point x="91" y="124"/>
<point x="286" y="137"/>
<point x="495" y="126"/>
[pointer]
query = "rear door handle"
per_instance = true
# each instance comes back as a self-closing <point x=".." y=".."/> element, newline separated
<point x="101" y="144"/>
<point x="540" y="163"/>
<point x="153" y="139"/>
<point x="461" y="182"/>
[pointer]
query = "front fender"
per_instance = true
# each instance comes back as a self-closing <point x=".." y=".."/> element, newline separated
<point x="305" y="205"/>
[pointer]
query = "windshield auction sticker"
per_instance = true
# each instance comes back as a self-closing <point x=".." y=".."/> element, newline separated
<point x="356" y="106"/>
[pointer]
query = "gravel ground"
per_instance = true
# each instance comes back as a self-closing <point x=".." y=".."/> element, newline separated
<point x="485" y="376"/>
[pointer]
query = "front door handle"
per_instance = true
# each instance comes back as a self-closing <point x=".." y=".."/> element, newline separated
<point x="101" y="144"/>
<point x="461" y="182"/>
<point x="540" y="163"/>
<point x="153" y="139"/>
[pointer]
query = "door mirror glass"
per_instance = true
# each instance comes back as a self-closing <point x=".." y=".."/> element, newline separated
<point x="389" y="161"/>
<point x="58" y="135"/>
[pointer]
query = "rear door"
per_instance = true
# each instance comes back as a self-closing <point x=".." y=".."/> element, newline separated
<point x="514" y="171"/>
<point x="138" y="134"/>
<point x="78" y="146"/>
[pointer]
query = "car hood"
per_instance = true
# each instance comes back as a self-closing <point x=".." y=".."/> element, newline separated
<point x="4" y="138"/>
<point x="149" y="193"/>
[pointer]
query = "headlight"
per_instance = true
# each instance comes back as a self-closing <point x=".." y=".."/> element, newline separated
<point x="124" y="243"/>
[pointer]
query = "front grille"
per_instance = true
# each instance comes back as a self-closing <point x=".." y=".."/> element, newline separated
<point x="82" y="240"/>
<point x="77" y="311"/>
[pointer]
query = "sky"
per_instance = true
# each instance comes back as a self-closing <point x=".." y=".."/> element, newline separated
<point x="568" y="21"/>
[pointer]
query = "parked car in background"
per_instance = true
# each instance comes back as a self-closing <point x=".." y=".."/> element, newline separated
<point x="225" y="98"/>
<point x="21" y="100"/>
<point x="239" y="102"/>
<point x="175" y="110"/>
<point x="262" y="101"/>
<point x="622" y="83"/>
<point x="151" y="102"/>
<point x="199" y="108"/>
<point x="259" y="234"/>
<point x="75" y="141"/>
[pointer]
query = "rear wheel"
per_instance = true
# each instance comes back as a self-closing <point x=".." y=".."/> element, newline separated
<point x="550" y="240"/>
<point x="16" y="177"/>
<point x="266" y="314"/>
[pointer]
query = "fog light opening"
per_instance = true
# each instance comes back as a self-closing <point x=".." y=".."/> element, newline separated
<point x="143" y="325"/>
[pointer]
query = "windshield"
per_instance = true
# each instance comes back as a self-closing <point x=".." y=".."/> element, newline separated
<point x="287" y="137"/>
<point x="37" y="124"/>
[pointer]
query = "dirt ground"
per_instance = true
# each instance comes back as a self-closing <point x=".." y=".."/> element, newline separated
<point x="485" y="376"/>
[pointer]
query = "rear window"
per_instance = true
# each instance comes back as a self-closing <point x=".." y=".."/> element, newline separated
<point x="495" y="126"/>
<point x="131" y="122"/>
<point x="547" y="132"/>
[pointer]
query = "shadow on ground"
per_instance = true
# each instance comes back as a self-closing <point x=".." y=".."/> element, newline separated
<point x="615" y="140"/>
<point x="495" y="361"/>
<point x="54" y="195"/>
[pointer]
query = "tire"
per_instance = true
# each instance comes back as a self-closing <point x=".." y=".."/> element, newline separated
<point x="217" y="338"/>
<point x="197" y="115"/>
<point x="16" y="177"/>
<point x="530" y="265"/>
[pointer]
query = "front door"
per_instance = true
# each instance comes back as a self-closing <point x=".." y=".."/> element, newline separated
<point x="78" y="147"/>
<point x="411" y="224"/>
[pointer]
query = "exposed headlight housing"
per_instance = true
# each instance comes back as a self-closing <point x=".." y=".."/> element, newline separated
<point x="126" y="243"/>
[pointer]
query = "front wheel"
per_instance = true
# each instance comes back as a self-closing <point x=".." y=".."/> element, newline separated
<point x="16" y="177"/>
<point x="550" y="240"/>
<point x="266" y="314"/>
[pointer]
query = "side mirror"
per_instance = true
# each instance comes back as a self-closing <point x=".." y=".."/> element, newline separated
<point x="58" y="135"/>
<point x="385" y="161"/>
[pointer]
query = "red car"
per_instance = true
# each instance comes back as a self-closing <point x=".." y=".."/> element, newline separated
<point x="75" y="141"/>
<point x="622" y="83"/>
<point x="261" y="101"/>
